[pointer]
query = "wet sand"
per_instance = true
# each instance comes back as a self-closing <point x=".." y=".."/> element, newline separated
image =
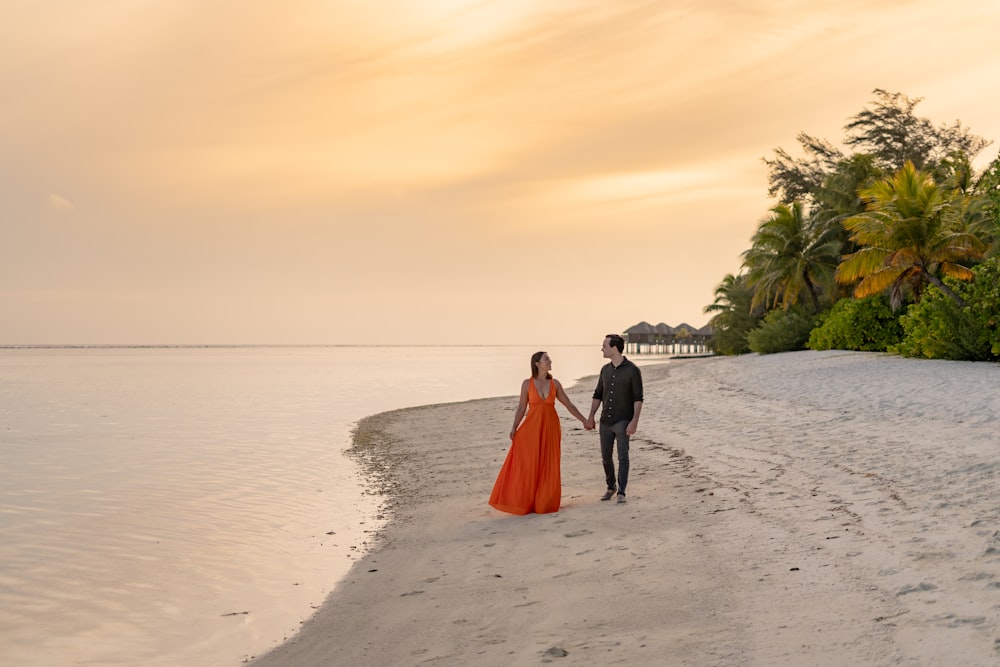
<point x="811" y="508"/>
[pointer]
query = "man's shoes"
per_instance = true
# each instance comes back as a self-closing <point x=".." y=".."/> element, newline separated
<point x="608" y="495"/>
<point x="621" y="498"/>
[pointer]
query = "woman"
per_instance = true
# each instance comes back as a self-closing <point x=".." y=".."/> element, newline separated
<point x="529" y="479"/>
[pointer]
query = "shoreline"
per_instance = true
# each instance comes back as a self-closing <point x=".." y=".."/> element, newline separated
<point x="804" y="508"/>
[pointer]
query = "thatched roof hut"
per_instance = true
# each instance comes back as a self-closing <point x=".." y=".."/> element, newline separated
<point x="665" y="339"/>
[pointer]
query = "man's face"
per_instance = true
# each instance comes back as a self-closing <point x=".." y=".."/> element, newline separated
<point x="606" y="348"/>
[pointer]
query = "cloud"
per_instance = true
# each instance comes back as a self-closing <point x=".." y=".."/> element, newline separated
<point x="58" y="203"/>
<point x="316" y="145"/>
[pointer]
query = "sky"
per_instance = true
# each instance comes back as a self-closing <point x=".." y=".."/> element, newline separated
<point x="433" y="172"/>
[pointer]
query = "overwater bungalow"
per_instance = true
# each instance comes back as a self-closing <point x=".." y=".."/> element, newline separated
<point x="683" y="339"/>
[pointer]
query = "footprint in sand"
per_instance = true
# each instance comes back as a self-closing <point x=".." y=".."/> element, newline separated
<point x="922" y="587"/>
<point x="578" y="533"/>
<point x="955" y="621"/>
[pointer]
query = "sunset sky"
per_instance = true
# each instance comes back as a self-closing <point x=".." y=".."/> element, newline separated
<point x="390" y="171"/>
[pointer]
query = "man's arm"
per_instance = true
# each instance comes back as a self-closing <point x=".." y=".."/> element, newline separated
<point x="634" y="424"/>
<point x="637" y="406"/>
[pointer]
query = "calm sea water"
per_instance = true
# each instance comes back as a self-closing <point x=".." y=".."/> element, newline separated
<point x="168" y="506"/>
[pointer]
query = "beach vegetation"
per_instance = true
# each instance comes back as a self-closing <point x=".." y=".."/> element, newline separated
<point x="983" y="298"/>
<point x="937" y="328"/>
<point x="733" y="315"/>
<point x="867" y="325"/>
<point x="893" y="134"/>
<point x="782" y="330"/>
<point x="839" y="196"/>
<point x="912" y="233"/>
<point x="858" y="241"/>
<point x="888" y="133"/>
<point x="791" y="259"/>
<point x="988" y="188"/>
<point x="793" y="179"/>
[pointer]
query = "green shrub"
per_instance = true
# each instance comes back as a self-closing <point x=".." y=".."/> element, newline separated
<point x="781" y="331"/>
<point x="729" y="336"/>
<point x="925" y="328"/>
<point x="982" y="298"/>
<point x="867" y="325"/>
<point x="938" y="328"/>
<point x="935" y="328"/>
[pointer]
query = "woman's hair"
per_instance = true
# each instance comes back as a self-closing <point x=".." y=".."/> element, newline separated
<point x="535" y="358"/>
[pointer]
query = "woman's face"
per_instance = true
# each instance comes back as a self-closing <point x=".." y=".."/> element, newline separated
<point x="545" y="363"/>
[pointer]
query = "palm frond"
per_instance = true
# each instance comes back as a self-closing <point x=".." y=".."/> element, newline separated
<point x="903" y="257"/>
<point x="956" y="271"/>
<point x="868" y="228"/>
<point x="878" y="282"/>
<point x="860" y="264"/>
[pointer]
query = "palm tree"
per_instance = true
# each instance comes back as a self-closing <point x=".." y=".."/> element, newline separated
<point x="839" y="197"/>
<point x="988" y="189"/>
<point x="913" y="232"/>
<point x="789" y="257"/>
<point x="734" y="316"/>
<point x="973" y="199"/>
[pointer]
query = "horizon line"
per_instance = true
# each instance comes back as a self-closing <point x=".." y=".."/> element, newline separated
<point x="82" y="346"/>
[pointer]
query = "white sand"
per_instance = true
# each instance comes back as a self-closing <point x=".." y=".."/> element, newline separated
<point x="796" y="509"/>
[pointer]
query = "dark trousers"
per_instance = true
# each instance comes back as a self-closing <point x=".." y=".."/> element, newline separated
<point x="609" y="433"/>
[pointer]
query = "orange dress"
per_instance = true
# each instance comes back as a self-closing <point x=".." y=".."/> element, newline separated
<point x="529" y="480"/>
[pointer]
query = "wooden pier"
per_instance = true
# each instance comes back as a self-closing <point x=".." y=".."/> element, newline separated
<point x="682" y="340"/>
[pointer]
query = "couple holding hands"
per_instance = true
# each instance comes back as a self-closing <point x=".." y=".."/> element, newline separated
<point x="529" y="480"/>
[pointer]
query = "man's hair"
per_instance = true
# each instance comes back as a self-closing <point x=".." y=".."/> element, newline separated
<point x="614" y="340"/>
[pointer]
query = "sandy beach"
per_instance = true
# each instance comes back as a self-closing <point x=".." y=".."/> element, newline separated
<point x="809" y="508"/>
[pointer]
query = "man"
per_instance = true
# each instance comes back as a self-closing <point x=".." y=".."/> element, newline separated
<point x="619" y="388"/>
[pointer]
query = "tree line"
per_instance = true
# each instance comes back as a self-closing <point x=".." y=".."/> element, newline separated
<point x="893" y="246"/>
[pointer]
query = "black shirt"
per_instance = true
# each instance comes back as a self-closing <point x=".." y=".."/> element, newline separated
<point x="618" y="389"/>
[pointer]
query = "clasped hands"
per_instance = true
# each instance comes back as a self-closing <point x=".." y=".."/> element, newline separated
<point x="589" y="424"/>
